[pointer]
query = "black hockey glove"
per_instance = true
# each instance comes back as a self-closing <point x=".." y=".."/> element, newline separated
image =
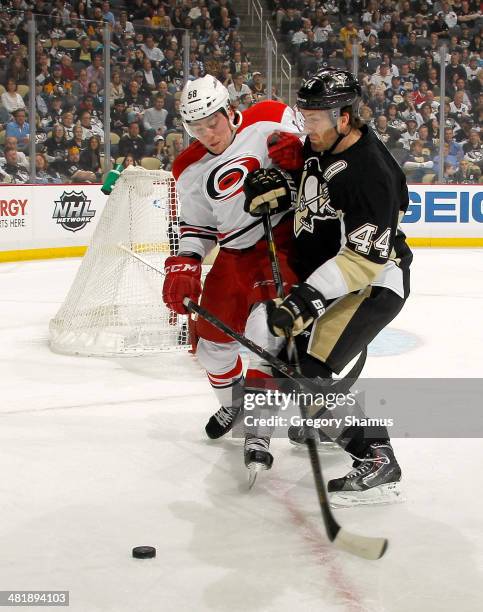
<point x="268" y="191"/>
<point x="296" y="311"/>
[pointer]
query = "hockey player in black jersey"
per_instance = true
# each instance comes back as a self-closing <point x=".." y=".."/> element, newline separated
<point x="351" y="256"/>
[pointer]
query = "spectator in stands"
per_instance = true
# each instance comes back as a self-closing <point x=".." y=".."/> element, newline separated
<point x="11" y="99"/>
<point x="447" y="157"/>
<point x="410" y="135"/>
<point x="175" y="75"/>
<point x="67" y="123"/>
<point x="151" y="76"/>
<point x="455" y="69"/>
<point x="119" y="117"/>
<point x="411" y="48"/>
<point x="457" y="108"/>
<point x="55" y="85"/>
<point x="90" y="127"/>
<point x="72" y="170"/>
<point x="56" y="146"/>
<point x="77" y="138"/>
<point x="427" y="142"/>
<point x="467" y="173"/>
<point x="174" y="121"/>
<point x="80" y="86"/>
<point x="19" y="128"/>
<point x="95" y="72"/>
<point x="379" y="103"/>
<point x="383" y="79"/>
<point x="43" y="174"/>
<point x="238" y="88"/>
<point x="132" y="142"/>
<point x="116" y="90"/>
<point x="473" y="143"/>
<point x="84" y="53"/>
<point x="347" y="31"/>
<point x="14" y="171"/>
<point x="90" y="157"/>
<point x="22" y="159"/>
<point x="417" y="163"/>
<point x="17" y="70"/>
<point x="388" y="135"/>
<point x="454" y="149"/>
<point x="290" y="23"/>
<point x="129" y="160"/>
<point x="151" y="50"/>
<point x="167" y="95"/>
<point x="322" y="29"/>
<point x="154" y="119"/>
<point x="160" y="152"/>
<point x="136" y="101"/>
<point x="257" y="86"/>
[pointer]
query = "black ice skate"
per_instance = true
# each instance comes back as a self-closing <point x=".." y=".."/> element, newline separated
<point x="257" y="457"/>
<point x="298" y="435"/>
<point x="375" y="479"/>
<point x="222" y="421"/>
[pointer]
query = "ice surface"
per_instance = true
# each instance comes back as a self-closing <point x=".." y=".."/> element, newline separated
<point x="98" y="456"/>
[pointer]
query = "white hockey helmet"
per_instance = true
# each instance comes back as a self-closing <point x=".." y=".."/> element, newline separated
<point x="201" y="98"/>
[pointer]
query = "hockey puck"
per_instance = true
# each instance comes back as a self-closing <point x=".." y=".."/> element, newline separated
<point x="144" y="552"/>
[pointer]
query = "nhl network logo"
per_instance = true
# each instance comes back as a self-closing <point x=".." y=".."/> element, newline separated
<point x="72" y="211"/>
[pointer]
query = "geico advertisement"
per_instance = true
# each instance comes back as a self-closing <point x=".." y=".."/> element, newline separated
<point x="48" y="215"/>
<point x="444" y="211"/>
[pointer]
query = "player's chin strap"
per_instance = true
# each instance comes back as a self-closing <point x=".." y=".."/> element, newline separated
<point x="340" y="136"/>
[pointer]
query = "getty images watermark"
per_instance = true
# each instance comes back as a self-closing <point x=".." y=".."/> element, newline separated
<point x="406" y="407"/>
<point x="261" y="410"/>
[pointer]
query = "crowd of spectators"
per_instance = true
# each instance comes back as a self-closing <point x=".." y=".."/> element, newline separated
<point x="396" y="46"/>
<point x="146" y="78"/>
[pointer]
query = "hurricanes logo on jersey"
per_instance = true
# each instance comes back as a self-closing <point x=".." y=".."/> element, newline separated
<point x="314" y="199"/>
<point x="226" y="180"/>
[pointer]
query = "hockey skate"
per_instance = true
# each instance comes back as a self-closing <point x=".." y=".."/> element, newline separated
<point x="375" y="479"/>
<point x="298" y="435"/>
<point x="222" y="421"/>
<point x="257" y="457"/>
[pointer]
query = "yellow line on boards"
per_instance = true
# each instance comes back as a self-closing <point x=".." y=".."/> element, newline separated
<point x="445" y="242"/>
<point x="54" y="252"/>
<point x="79" y="251"/>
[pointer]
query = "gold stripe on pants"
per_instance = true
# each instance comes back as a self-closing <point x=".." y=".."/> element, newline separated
<point x="332" y="324"/>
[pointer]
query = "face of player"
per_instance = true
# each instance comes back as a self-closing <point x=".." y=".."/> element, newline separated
<point x="319" y="126"/>
<point x="214" y="132"/>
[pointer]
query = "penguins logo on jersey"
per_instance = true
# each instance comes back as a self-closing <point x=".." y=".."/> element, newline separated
<point x="314" y="199"/>
<point x="226" y="180"/>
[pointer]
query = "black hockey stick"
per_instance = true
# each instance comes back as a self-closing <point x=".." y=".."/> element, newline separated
<point x="278" y="280"/>
<point x="361" y="546"/>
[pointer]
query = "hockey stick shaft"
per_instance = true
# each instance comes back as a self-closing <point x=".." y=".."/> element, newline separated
<point x="278" y="280"/>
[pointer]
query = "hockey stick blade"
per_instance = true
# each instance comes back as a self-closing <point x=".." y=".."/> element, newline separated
<point x="361" y="546"/>
<point x="135" y="255"/>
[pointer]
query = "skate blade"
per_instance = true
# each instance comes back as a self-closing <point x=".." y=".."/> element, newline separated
<point x="322" y="447"/>
<point x="253" y="470"/>
<point x="390" y="493"/>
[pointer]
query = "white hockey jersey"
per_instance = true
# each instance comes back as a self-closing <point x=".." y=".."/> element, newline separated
<point x="210" y="187"/>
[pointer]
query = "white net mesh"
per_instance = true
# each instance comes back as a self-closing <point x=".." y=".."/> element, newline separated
<point x="115" y="305"/>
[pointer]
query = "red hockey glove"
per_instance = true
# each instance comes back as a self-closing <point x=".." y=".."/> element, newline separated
<point x="183" y="279"/>
<point x="285" y="150"/>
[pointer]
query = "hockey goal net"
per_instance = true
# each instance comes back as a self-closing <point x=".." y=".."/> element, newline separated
<point x="115" y="305"/>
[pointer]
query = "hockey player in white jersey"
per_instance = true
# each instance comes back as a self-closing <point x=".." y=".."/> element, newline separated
<point x="210" y="175"/>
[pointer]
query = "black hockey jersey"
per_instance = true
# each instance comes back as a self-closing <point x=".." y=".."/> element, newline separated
<point x="347" y="220"/>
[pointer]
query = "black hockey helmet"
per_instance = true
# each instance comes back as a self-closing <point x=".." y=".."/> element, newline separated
<point x="328" y="88"/>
